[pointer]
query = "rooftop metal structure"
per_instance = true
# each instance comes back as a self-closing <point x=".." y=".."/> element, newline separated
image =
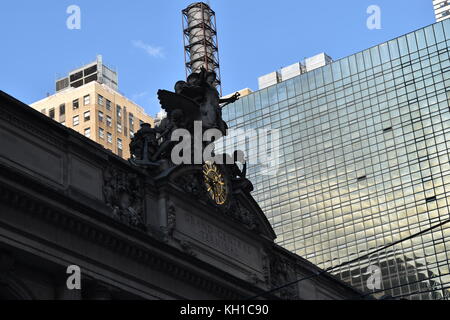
<point x="94" y="71"/>
<point x="201" y="47"/>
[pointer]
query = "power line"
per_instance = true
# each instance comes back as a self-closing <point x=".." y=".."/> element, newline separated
<point x="350" y="261"/>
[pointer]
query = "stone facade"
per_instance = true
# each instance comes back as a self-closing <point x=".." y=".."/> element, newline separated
<point x="65" y="200"/>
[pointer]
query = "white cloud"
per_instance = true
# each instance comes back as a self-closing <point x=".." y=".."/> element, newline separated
<point x="155" y="52"/>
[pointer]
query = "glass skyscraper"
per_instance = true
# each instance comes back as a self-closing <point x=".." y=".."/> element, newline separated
<point x="364" y="164"/>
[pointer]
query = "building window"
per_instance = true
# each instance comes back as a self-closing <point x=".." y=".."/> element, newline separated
<point x="100" y="100"/>
<point x="101" y="133"/>
<point x="108" y="105"/>
<point x="109" y="137"/>
<point x="43" y="111"/>
<point x="75" y="104"/>
<point x="119" y="147"/>
<point x="87" y="100"/>
<point x="76" y="121"/>
<point x="51" y="113"/>
<point x="119" y="112"/>
<point x="119" y="128"/>
<point x="62" y="110"/>
<point x="100" y="116"/>
<point x="108" y="121"/>
<point x="131" y="122"/>
<point x="87" y="132"/>
<point x="87" y="116"/>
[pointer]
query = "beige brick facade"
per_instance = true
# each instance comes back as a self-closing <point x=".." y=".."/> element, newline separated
<point x="98" y="112"/>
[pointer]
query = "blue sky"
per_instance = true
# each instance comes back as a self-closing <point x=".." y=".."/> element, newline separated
<point x="143" y="39"/>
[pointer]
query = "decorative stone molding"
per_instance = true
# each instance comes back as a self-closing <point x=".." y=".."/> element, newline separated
<point x="171" y="219"/>
<point x="122" y="246"/>
<point x="124" y="194"/>
<point x="26" y="126"/>
<point x="282" y="272"/>
<point x="171" y="222"/>
<point x="187" y="247"/>
<point x="191" y="181"/>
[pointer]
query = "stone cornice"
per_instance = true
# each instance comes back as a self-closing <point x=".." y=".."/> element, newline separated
<point x="96" y="232"/>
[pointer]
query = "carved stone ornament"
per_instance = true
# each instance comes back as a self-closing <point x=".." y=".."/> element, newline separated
<point x="196" y="99"/>
<point x="191" y="180"/>
<point x="187" y="247"/>
<point x="123" y="193"/>
<point x="282" y="272"/>
<point x="171" y="222"/>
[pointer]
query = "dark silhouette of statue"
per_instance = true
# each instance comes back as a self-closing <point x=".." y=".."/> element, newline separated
<point x="144" y="145"/>
<point x="199" y="100"/>
<point x="195" y="99"/>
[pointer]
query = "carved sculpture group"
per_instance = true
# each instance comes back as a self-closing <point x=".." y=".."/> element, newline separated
<point x="196" y="99"/>
<point x="123" y="193"/>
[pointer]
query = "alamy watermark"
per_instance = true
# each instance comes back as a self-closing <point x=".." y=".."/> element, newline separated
<point x="74" y="280"/>
<point x="374" y="20"/>
<point x="374" y="280"/>
<point x="73" y="22"/>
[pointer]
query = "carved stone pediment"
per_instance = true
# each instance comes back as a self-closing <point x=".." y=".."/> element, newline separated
<point x="239" y="205"/>
<point x="124" y="194"/>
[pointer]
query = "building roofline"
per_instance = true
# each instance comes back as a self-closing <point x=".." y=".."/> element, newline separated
<point x="369" y="48"/>
<point x="94" y="83"/>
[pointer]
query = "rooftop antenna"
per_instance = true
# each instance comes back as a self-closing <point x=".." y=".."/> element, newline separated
<point x="201" y="47"/>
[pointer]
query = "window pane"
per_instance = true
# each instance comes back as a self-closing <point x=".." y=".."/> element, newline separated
<point x="336" y="71"/>
<point x="375" y="56"/>
<point x="319" y="77"/>
<point x="62" y="109"/>
<point x="367" y="59"/>
<point x="328" y="78"/>
<point x="420" y="36"/>
<point x="345" y="69"/>
<point x="403" y="46"/>
<point x="429" y="34"/>
<point x="384" y="52"/>
<point x="438" y="32"/>
<point x="352" y="63"/>
<point x="446" y="25"/>
<point x="360" y="61"/>
<point x="411" y="42"/>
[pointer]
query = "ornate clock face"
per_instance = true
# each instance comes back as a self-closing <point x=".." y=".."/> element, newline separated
<point x="215" y="182"/>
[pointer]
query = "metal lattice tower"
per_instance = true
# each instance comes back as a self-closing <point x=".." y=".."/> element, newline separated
<point x="200" y="40"/>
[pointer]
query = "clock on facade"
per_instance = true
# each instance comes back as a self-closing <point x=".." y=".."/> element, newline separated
<point x="216" y="183"/>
